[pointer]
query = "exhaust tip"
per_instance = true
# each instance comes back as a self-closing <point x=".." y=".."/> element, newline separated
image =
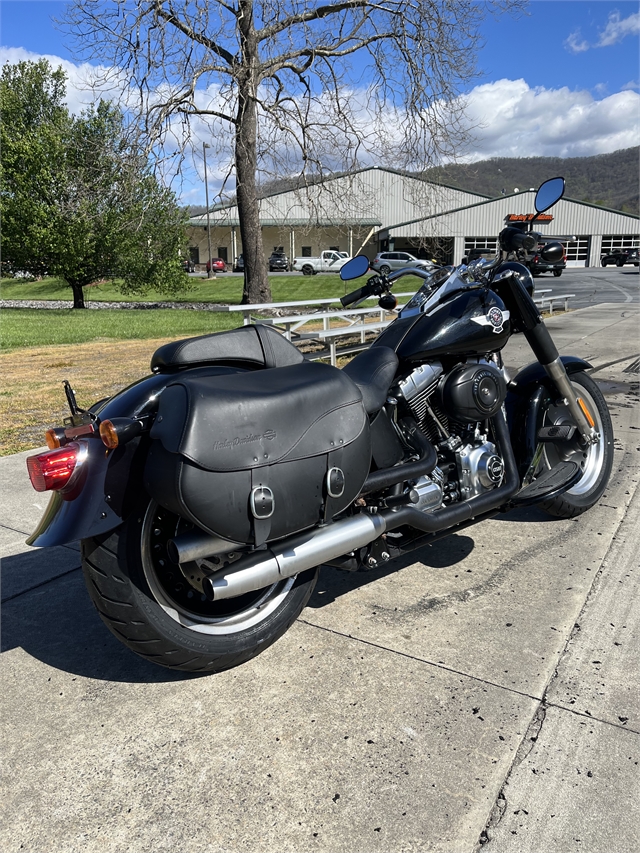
<point x="208" y="589"/>
<point x="172" y="552"/>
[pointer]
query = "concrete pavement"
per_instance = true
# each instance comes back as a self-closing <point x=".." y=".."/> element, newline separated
<point x="483" y="695"/>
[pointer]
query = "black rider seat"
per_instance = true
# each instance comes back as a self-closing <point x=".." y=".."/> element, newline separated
<point x="252" y="346"/>
<point x="373" y="372"/>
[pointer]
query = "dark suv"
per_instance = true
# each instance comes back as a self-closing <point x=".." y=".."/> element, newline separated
<point x="278" y="261"/>
<point x="620" y="257"/>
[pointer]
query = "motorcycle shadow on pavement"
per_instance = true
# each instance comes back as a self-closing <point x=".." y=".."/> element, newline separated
<point x="57" y="625"/>
<point x="442" y="554"/>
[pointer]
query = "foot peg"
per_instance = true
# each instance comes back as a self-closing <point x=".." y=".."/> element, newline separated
<point x="563" y="432"/>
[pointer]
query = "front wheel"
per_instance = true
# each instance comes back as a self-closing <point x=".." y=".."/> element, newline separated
<point x="158" y="609"/>
<point x="595" y="460"/>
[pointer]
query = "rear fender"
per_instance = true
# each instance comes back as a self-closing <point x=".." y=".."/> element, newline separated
<point x="527" y="392"/>
<point x="109" y="481"/>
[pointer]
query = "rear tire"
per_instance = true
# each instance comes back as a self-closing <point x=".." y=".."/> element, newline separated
<point x="308" y="270"/>
<point x="385" y="270"/>
<point x="596" y="460"/>
<point x="155" y="610"/>
<point x="557" y="273"/>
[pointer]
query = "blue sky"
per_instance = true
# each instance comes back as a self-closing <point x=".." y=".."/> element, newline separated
<point x="560" y="80"/>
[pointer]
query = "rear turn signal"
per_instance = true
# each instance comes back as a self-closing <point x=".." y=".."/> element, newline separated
<point x="52" y="470"/>
<point x="116" y="431"/>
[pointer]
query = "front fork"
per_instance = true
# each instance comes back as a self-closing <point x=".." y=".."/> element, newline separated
<point x="545" y="351"/>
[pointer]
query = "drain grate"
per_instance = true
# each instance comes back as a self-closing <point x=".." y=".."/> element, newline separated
<point x="634" y="367"/>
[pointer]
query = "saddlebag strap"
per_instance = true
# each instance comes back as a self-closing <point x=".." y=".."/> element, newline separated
<point x="261" y="504"/>
<point x="334" y="484"/>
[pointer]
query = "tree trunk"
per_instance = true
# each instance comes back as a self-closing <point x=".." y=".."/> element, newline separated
<point x="256" y="281"/>
<point x="78" y="295"/>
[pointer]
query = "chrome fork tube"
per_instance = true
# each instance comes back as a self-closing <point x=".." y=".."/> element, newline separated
<point x="558" y="374"/>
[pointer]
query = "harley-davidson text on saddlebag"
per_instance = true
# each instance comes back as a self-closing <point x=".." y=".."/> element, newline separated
<point x="255" y="456"/>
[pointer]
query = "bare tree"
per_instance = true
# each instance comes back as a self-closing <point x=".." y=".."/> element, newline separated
<point x="289" y="86"/>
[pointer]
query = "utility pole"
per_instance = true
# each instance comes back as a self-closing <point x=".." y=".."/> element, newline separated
<point x="210" y="272"/>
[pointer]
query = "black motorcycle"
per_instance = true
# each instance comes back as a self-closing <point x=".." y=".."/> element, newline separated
<point x="208" y="494"/>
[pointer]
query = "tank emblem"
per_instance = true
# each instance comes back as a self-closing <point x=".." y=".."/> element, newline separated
<point x="495" y="318"/>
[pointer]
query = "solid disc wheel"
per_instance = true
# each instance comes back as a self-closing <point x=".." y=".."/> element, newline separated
<point x="158" y="609"/>
<point x="595" y="460"/>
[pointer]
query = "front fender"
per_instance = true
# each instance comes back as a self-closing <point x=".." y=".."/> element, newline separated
<point x="530" y="388"/>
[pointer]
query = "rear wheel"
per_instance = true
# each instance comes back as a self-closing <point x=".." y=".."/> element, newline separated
<point x="385" y="270"/>
<point x="307" y="269"/>
<point x="158" y="609"/>
<point x="595" y="460"/>
<point x="557" y="273"/>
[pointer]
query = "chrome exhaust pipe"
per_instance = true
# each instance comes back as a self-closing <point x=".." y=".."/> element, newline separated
<point x="295" y="555"/>
<point x="196" y="545"/>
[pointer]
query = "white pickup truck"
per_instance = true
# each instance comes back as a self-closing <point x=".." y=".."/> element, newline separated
<point x="329" y="261"/>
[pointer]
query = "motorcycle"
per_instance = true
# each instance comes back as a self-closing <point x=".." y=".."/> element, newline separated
<point x="207" y="495"/>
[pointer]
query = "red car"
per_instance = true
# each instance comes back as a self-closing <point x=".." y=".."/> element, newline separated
<point x="217" y="264"/>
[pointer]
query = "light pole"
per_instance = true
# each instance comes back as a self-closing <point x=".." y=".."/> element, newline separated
<point x="210" y="272"/>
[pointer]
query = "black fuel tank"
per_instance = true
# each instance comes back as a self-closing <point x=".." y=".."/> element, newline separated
<point x="471" y="322"/>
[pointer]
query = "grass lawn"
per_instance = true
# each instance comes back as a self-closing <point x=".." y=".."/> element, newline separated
<point x="225" y="288"/>
<point x="29" y="327"/>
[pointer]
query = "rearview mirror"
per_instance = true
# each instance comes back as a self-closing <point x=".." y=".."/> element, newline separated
<point x="548" y="194"/>
<point x="354" y="268"/>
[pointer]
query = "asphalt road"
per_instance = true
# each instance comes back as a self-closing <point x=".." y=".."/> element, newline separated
<point x="480" y="694"/>
<point x="594" y="285"/>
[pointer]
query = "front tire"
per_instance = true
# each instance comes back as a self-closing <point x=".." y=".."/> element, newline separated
<point x="158" y="610"/>
<point x="595" y="460"/>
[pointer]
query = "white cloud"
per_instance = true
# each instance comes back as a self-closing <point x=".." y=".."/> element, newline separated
<point x="514" y="120"/>
<point x="84" y="84"/>
<point x="619" y="28"/>
<point x="575" y="44"/>
<point x="632" y="84"/>
<point x="616" y="30"/>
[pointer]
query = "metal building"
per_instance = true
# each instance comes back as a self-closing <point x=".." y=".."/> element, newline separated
<point x="378" y="209"/>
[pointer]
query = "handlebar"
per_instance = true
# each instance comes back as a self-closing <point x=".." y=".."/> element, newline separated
<point x="357" y="295"/>
<point x="512" y="239"/>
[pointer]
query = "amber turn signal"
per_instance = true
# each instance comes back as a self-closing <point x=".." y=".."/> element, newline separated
<point x="117" y="431"/>
<point x="109" y="434"/>
<point x="55" y="437"/>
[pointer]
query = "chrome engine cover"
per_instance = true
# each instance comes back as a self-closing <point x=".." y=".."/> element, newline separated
<point x="480" y="468"/>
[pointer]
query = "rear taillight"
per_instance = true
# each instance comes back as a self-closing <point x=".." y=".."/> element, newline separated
<point x="53" y="470"/>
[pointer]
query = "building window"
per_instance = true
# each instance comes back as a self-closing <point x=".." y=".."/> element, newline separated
<point x="306" y="252"/>
<point x="480" y="243"/>
<point x="194" y="254"/>
<point x="612" y="242"/>
<point x="222" y="253"/>
<point x="577" y="250"/>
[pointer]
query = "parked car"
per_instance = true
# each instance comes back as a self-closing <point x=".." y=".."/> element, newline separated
<point x="328" y="261"/>
<point x="239" y="264"/>
<point x="188" y="265"/>
<point x="385" y="262"/>
<point x="217" y="265"/>
<point x="278" y="261"/>
<point x="620" y="257"/>
<point x="538" y="265"/>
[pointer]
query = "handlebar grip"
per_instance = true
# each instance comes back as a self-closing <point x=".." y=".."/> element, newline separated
<point x="356" y="295"/>
<point x="512" y="239"/>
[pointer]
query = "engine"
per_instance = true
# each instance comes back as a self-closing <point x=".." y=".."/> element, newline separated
<point x="452" y="409"/>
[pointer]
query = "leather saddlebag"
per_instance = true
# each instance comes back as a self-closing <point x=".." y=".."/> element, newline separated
<point x="255" y="456"/>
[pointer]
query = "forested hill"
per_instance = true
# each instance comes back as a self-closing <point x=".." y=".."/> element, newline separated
<point x="610" y="180"/>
